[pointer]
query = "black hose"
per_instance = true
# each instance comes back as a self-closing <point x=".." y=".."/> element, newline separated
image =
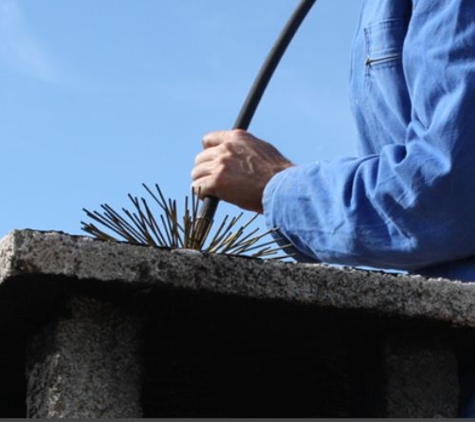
<point x="272" y="60"/>
<point x="210" y="203"/>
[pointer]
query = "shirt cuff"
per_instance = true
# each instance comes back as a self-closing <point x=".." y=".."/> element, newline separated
<point x="270" y="201"/>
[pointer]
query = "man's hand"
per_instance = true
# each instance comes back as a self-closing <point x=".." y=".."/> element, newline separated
<point x="235" y="166"/>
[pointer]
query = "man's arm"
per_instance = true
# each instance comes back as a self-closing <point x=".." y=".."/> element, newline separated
<point x="413" y="204"/>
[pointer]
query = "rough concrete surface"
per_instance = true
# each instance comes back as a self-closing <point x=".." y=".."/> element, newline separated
<point x="85" y="364"/>
<point x="410" y="356"/>
<point x="52" y="253"/>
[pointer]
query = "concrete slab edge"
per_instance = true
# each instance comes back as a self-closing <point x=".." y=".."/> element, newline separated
<point x="54" y="253"/>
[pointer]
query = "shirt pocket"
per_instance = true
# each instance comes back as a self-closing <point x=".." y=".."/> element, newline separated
<point x="384" y="43"/>
<point x="385" y="89"/>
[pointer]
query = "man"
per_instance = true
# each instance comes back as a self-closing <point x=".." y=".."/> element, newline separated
<point x="408" y="201"/>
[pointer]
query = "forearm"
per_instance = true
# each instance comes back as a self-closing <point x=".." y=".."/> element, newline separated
<point x="338" y="212"/>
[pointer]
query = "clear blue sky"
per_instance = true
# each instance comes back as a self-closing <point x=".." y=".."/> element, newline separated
<point x="98" y="96"/>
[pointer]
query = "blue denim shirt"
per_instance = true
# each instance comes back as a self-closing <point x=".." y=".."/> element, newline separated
<point x="407" y="202"/>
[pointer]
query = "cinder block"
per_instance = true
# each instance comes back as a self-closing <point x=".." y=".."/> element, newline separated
<point x="421" y="376"/>
<point x="117" y="331"/>
<point x="85" y="364"/>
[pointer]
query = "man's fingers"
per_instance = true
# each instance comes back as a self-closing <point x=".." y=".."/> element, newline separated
<point x="201" y="170"/>
<point x="202" y="188"/>
<point x="206" y="155"/>
<point x="216" y="138"/>
<point x="213" y="139"/>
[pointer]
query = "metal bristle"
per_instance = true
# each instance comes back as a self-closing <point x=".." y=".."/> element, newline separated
<point x="168" y="230"/>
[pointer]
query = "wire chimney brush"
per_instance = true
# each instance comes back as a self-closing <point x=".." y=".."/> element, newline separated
<point x="194" y="229"/>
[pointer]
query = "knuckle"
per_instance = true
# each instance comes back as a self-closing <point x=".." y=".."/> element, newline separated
<point x="207" y="139"/>
<point x="237" y="135"/>
<point x="225" y="160"/>
<point x="227" y="149"/>
<point x="219" y="176"/>
<point x="219" y="172"/>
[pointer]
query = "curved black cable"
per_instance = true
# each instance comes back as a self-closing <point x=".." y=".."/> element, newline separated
<point x="210" y="203"/>
<point x="270" y="65"/>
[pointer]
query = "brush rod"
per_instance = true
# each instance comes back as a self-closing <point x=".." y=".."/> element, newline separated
<point x="210" y="203"/>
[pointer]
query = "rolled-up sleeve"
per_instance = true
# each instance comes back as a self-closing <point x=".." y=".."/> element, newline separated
<point x="412" y="204"/>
